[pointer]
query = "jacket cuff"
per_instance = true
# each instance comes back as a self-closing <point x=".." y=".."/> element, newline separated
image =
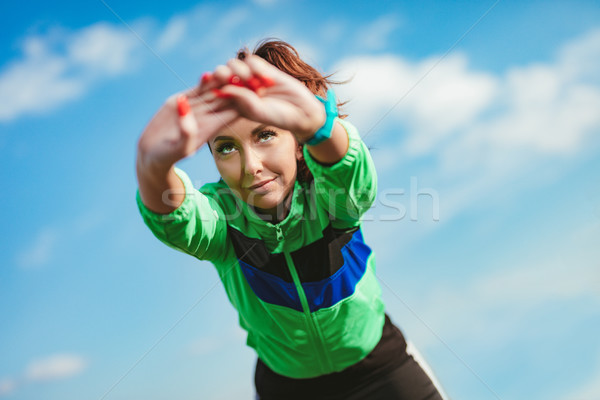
<point x="180" y="213"/>
<point x="354" y="146"/>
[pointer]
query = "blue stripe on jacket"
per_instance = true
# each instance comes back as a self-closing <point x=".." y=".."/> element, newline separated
<point x="270" y="288"/>
<point x="320" y="294"/>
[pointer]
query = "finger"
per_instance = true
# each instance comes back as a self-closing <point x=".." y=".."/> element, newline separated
<point x="248" y="103"/>
<point x="198" y="127"/>
<point x="268" y="73"/>
<point x="240" y="69"/>
<point x="210" y="128"/>
<point x="209" y="81"/>
<point x="206" y="83"/>
<point x="203" y="109"/>
<point x="221" y="75"/>
<point x="225" y="118"/>
<point x="206" y="78"/>
<point x="187" y="121"/>
<point x="205" y="98"/>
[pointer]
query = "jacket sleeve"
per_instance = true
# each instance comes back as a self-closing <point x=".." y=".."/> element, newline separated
<point x="347" y="189"/>
<point x="197" y="227"/>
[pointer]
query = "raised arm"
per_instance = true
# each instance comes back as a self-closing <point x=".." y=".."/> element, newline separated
<point x="346" y="189"/>
<point x="180" y="127"/>
<point x="345" y="179"/>
<point x="176" y="213"/>
<point x="285" y="102"/>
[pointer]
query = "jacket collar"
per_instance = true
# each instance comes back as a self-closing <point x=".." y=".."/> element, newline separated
<point x="241" y="216"/>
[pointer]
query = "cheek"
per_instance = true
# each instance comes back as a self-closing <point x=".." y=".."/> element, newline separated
<point x="287" y="164"/>
<point x="229" y="171"/>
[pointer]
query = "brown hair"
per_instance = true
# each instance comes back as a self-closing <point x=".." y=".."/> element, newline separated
<point x="285" y="57"/>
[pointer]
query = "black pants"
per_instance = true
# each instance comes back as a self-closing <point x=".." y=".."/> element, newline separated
<point x="387" y="373"/>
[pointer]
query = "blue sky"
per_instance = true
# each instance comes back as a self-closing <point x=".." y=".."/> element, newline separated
<point x="482" y="118"/>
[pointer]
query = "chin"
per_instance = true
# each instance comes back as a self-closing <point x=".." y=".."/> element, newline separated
<point x="265" y="204"/>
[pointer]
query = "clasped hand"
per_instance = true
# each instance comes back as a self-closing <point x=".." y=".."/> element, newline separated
<point x="250" y="88"/>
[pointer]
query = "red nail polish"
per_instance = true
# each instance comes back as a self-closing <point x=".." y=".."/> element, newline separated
<point x="254" y="83"/>
<point x="220" y="94"/>
<point x="266" y="81"/>
<point x="183" y="106"/>
<point x="207" y="76"/>
<point x="236" y="80"/>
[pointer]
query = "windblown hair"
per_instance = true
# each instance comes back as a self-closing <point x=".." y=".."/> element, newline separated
<point x="285" y="57"/>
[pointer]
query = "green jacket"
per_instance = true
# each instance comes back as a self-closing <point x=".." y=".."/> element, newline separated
<point x="305" y="288"/>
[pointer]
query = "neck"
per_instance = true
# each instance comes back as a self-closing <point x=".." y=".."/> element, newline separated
<point x="276" y="214"/>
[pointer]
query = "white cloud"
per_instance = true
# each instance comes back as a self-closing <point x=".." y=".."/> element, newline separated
<point x="45" y="370"/>
<point x="589" y="390"/>
<point x="386" y="89"/>
<point x="472" y="122"/>
<point x="60" y="366"/>
<point x="59" y="67"/>
<point x="497" y="304"/>
<point x="544" y="113"/>
<point x="375" y="35"/>
<point x="232" y="19"/>
<point x="580" y="58"/>
<point x="333" y="30"/>
<point x="307" y="52"/>
<point x="102" y="49"/>
<point x="7" y="386"/>
<point x="544" y="107"/>
<point x="41" y="246"/>
<point x="40" y="251"/>
<point x="551" y="108"/>
<point x="204" y="21"/>
<point x="35" y="85"/>
<point x="173" y="33"/>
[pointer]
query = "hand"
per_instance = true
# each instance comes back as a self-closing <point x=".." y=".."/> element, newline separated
<point x="283" y="102"/>
<point x="170" y="136"/>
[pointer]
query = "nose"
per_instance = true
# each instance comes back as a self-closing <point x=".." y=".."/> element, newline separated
<point x="252" y="162"/>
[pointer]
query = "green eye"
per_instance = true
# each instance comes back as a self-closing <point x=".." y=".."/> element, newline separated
<point x="265" y="136"/>
<point x="225" y="148"/>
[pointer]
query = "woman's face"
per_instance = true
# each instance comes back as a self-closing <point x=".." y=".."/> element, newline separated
<point x="257" y="162"/>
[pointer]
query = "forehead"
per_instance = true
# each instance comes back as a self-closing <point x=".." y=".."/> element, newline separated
<point x="240" y="129"/>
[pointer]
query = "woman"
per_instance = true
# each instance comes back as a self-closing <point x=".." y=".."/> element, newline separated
<point x="282" y="226"/>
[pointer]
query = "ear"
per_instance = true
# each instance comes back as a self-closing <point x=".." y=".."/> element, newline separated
<point x="300" y="152"/>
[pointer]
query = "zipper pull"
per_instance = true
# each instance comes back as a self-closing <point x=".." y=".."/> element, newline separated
<point x="279" y="233"/>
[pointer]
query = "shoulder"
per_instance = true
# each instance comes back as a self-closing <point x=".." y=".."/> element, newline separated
<point x="220" y="194"/>
<point x="213" y="189"/>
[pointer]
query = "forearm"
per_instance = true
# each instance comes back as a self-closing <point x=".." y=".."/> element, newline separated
<point x="161" y="190"/>
<point x="348" y="187"/>
<point x="332" y="150"/>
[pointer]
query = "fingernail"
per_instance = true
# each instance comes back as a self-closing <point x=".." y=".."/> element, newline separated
<point x="236" y="80"/>
<point x="253" y="83"/>
<point x="220" y="94"/>
<point x="207" y="76"/>
<point x="266" y="81"/>
<point x="183" y="105"/>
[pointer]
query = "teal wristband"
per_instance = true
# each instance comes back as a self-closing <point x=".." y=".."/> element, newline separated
<point x="331" y="112"/>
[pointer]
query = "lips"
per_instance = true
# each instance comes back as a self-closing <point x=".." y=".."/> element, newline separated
<point x="260" y="184"/>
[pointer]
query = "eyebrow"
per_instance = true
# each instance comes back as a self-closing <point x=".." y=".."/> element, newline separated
<point x="259" y="129"/>
<point x="223" y="138"/>
<point x="254" y="132"/>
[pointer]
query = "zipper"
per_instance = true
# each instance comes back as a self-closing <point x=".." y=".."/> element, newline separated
<point x="314" y="330"/>
<point x="279" y="233"/>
